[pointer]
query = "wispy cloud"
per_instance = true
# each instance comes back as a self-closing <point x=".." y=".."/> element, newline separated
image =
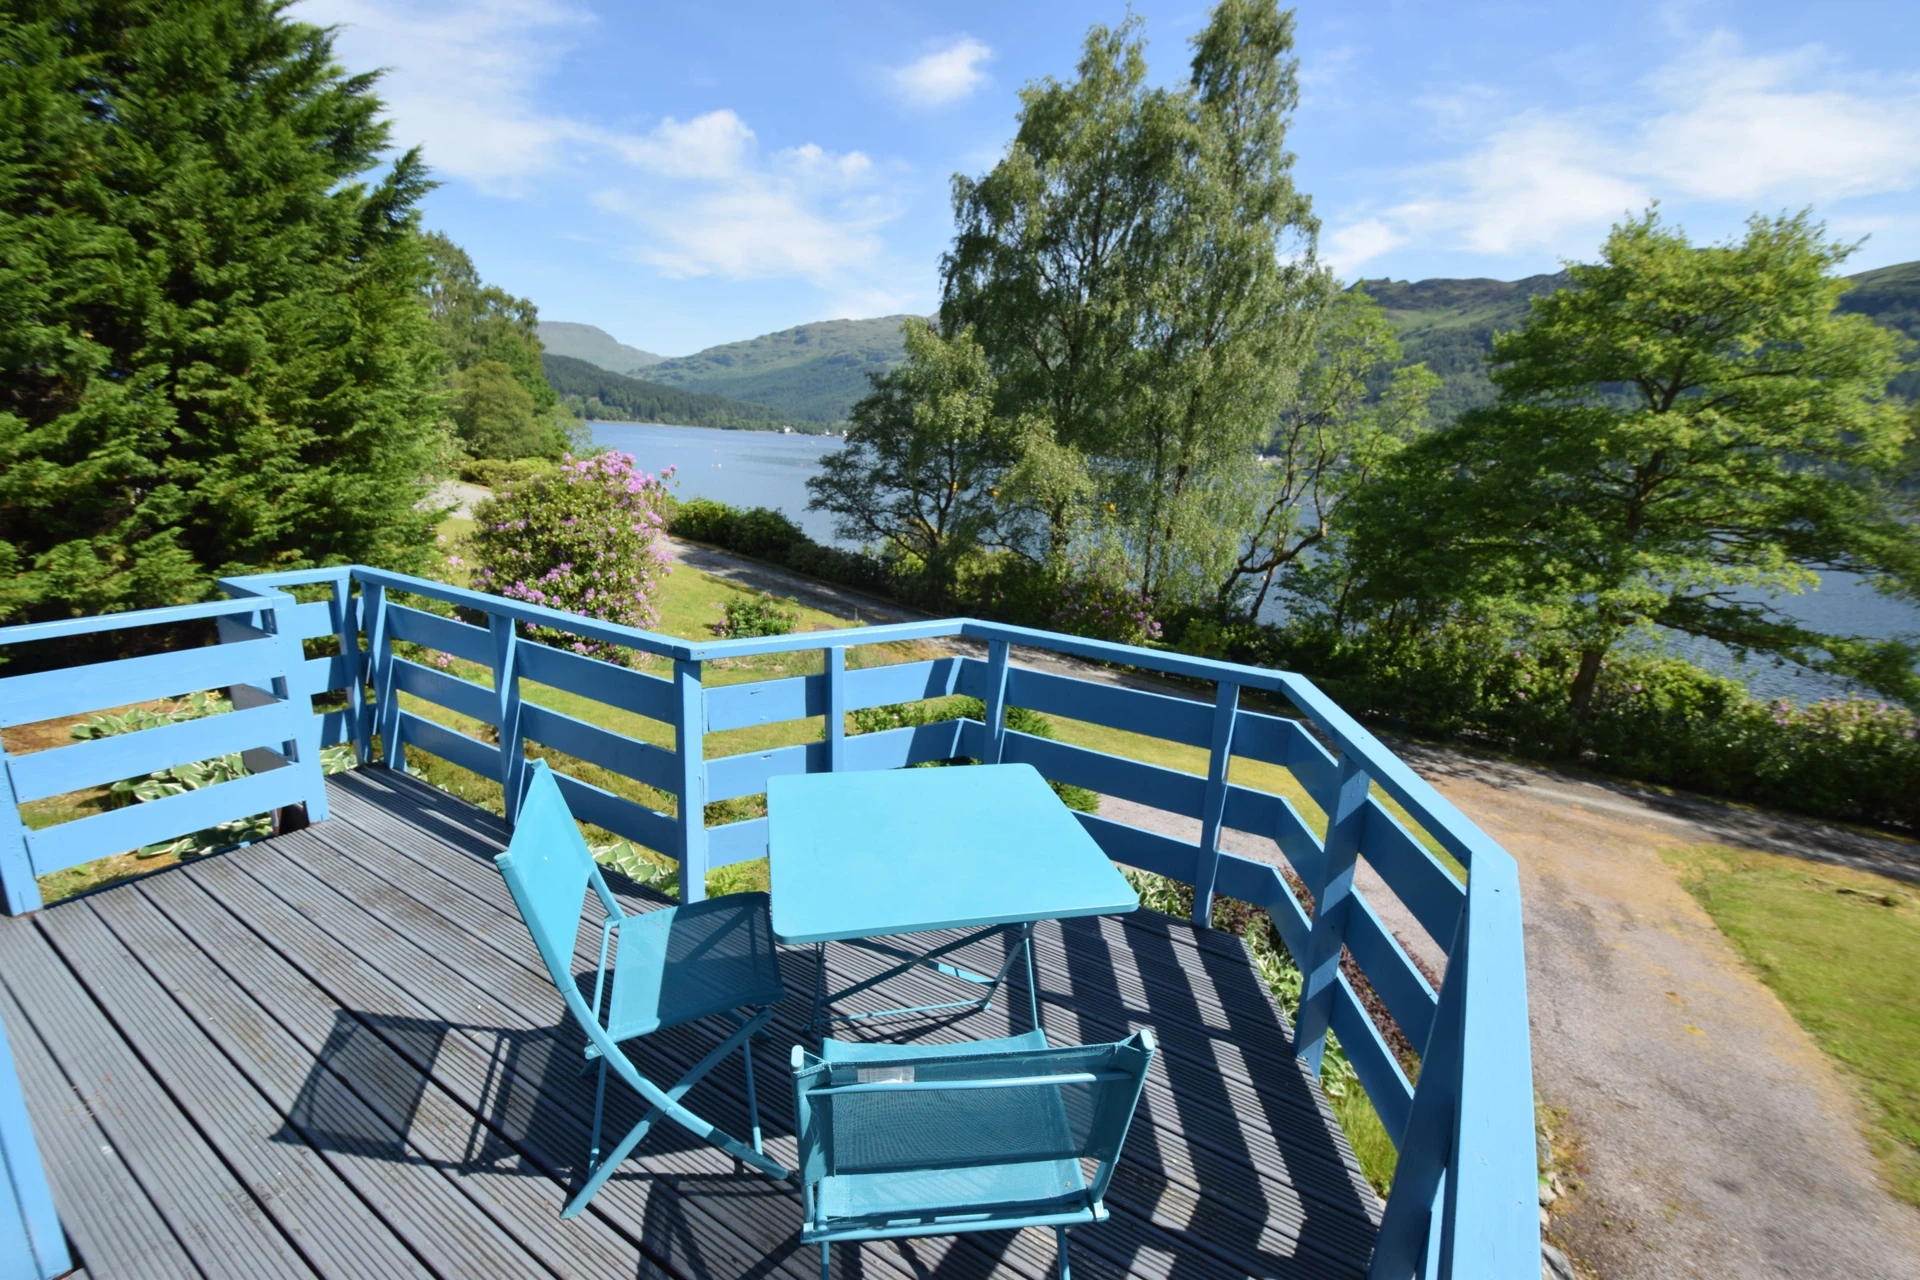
<point x="697" y="197"/>
<point x="943" y="76"/>
<point x="1717" y="125"/>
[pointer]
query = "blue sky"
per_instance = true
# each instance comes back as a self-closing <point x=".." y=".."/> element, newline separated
<point x="688" y="174"/>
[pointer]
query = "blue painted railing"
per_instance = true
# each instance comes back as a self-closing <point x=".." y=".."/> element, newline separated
<point x="1463" y="1202"/>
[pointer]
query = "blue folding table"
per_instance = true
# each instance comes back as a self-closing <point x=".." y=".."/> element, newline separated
<point x="856" y="857"/>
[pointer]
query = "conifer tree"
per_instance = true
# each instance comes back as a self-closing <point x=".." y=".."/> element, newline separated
<point x="215" y="355"/>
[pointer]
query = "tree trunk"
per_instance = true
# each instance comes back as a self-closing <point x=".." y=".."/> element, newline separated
<point x="1585" y="679"/>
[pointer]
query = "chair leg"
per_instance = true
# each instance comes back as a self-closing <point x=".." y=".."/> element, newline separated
<point x="599" y="1109"/>
<point x="753" y="1106"/>
<point x="825" y="1262"/>
<point x="1060" y="1234"/>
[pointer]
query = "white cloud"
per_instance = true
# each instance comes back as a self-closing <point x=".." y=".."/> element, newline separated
<point x="696" y="196"/>
<point x="1716" y="125"/>
<point x="943" y="76"/>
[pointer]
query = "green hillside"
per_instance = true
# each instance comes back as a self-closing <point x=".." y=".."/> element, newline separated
<point x="1891" y="295"/>
<point x="1450" y="323"/>
<point x="613" y="397"/>
<point x="594" y="345"/>
<point x="812" y="373"/>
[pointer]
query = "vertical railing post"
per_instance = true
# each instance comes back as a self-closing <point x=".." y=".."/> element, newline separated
<point x="31" y="1212"/>
<point x="996" y="700"/>
<point x="1412" y="1229"/>
<point x="346" y="626"/>
<point x="301" y="745"/>
<point x="506" y="703"/>
<point x="1332" y="898"/>
<point x="16" y="861"/>
<point x="836" y="712"/>
<point x="1226" y="706"/>
<point x="689" y="741"/>
<point x="386" y="700"/>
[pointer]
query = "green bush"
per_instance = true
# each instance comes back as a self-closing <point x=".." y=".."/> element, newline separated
<point x="901" y="715"/>
<point x="498" y="473"/>
<point x="758" y="615"/>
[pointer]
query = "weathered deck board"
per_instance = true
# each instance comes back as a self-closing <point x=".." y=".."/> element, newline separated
<point x="337" y="1053"/>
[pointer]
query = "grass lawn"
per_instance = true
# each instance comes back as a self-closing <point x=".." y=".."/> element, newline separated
<point x="1841" y="948"/>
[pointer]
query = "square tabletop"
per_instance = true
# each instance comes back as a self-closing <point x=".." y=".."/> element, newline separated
<point x="864" y="855"/>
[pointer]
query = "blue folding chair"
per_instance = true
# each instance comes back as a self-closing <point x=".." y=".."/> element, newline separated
<point x="671" y="966"/>
<point x="933" y="1140"/>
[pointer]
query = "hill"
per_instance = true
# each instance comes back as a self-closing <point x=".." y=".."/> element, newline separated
<point x="811" y="373"/>
<point x="594" y="345"/>
<point x="1450" y="323"/>
<point x="614" y="397"/>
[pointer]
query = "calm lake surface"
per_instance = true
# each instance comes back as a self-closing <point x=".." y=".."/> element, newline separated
<point x="768" y="469"/>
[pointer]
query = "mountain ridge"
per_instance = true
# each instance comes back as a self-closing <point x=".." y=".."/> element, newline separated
<point x="601" y="395"/>
<point x="594" y="345"/>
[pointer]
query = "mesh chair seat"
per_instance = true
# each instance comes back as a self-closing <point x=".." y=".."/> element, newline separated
<point x="680" y="964"/>
<point x="915" y="1140"/>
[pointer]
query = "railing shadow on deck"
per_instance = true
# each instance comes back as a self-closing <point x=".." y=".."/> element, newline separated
<point x="1463" y="1198"/>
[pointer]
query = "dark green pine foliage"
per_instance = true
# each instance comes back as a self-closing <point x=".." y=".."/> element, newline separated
<point x="498" y="397"/>
<point x="214" y="354"/>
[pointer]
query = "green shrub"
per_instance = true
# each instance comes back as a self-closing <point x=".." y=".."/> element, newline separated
<point x="901" y="715"/>
<point x="498" y="473"/>
<point x="584" y="538"/>
<point x="757" y="615"/>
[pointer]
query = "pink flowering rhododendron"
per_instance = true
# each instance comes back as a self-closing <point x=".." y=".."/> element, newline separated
<point x="588" y="538"/>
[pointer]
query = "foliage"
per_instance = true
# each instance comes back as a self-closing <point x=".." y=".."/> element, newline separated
<point x="1681" y="425"/>
<point x="921" y="468"/>
<point x="1140" y="271"/>
<point x="212" y="345"/>
<point x="810" y="373"/>
<point x="194" y="776"/>
<point x="585" y="538"/>
<point x="499" y="399"/>
<point x="1890" y="296"/>
<point x="498" y="473"/>
<point x="769" y="535"/>
<point x="1332" y="439"/>
<point x="600" y="396"/>
<point x="756" y="615"/>
<point x="1841" y="948"/>
<point x="1098" y="602"/>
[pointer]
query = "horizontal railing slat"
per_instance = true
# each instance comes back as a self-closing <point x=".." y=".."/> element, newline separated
<point x="1262" y="884"/>
<point x="1284" y="741"/>
<point x="119" y="830"/>
<point x="739" y="706"/>
<point x="308" y="621"/>
<point x="65" y="628"/>
<point x="1147" y="784"/>
<point x="746" y="774"/>
<point x="1380" y="1075"/>
<point x="737" y="842"/>
<point x="1265" y="814"/>
<point x="448" y="635"/>
<point x="911" y="745"/>
<point x="904" y="682"/>
<point x="1393" y="975"/>
<point x="628" y="757"/>
<point x="471" y="754"/>
<point x="1155" y="715"/>
<point x="623" y="817"/>
<point x="604" y="682"/>
<point x="443" y="690"/>
<point x="127" y="755"/>
<point x="1141" y="849"/>
<point x="325" y="675"/>
<point x="1416" y="877"/>
<point x="48" y="695"/>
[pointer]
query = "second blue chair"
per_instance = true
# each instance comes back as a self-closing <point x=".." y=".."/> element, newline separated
<point x="669" y="967"/>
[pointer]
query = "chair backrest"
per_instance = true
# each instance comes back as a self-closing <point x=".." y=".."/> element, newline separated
<point x="548" y="869"/>
<point x="969" y="1110"/>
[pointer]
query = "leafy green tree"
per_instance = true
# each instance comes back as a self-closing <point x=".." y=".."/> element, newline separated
<point x="213" y="354"/>
<point x="501" y="404"/>
<point x="924" y="456"/>
<point x="1140" y="270"/>
<point x="1681" y="430"/>
<point x="1333" y="437"/>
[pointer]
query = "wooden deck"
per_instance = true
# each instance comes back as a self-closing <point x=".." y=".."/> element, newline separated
<point x="336" y="1053"/>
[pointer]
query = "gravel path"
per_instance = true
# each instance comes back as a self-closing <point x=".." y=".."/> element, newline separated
<point x="1717" y="1140"/>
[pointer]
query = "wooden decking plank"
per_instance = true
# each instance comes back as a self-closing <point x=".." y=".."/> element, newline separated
<point x="412" y="1106"/>
<point x="113" y="1224"/>
<point x="305" y="1197"/>
<point x="1173" y="1194"/>
<point x="213" y="1215"/>
<point x="341" y="957"/>
<point x="420" y="1204"/>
